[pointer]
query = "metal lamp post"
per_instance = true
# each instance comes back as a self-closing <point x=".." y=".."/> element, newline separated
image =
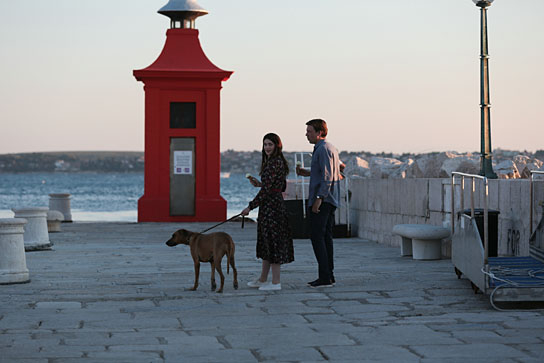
<point x="486" y="166"/>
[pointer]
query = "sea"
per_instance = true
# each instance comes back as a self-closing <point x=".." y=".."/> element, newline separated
<point x="102" y="196"/>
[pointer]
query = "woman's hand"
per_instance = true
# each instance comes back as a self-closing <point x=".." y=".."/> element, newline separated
<point x="245" y="212"/>
<point x="253" y="180"/>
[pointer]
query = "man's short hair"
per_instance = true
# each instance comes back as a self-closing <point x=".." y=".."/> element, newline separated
<point x="319" y="125"/>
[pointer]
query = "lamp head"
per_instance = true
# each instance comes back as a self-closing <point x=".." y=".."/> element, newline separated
<point x="483" y="3"/>
<point x="182" y="13"/>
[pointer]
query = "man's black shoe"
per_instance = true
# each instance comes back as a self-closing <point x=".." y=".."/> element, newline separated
<point x="318" y="283"/>
<point x="312" y="282"/>
<point x="333" y="281"/>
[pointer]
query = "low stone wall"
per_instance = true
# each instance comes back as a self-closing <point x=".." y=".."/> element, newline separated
<point x="379" y="204"/>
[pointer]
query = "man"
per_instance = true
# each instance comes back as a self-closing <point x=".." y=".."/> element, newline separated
<point x="323" y="199"/>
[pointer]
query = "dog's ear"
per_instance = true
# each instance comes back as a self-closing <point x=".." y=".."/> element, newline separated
<point x="184" y="236"/>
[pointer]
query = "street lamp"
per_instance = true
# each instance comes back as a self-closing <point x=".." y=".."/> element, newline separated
<point x="486" y="165"/>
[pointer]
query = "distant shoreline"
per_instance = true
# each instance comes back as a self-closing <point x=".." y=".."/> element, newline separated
<point x="133" y="161"/>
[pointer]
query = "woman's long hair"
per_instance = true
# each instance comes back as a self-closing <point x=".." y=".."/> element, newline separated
<point x="278" y="146"/>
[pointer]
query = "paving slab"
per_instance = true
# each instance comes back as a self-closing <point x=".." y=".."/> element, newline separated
<point x="114" y="292"/>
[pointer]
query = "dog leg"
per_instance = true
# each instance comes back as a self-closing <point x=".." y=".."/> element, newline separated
<point x="235" y="273"/>
<point x="214" y="286"/>
<point x="197" y="273"/>
<point x="218" y="268"/>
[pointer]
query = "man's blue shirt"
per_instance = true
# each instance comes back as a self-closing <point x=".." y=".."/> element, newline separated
<point x="325" y="174"/>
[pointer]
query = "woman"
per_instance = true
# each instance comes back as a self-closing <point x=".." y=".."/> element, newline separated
<point x="274" y="242"/>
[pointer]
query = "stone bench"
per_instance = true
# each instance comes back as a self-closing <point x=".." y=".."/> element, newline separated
<point x="423" y="241"/>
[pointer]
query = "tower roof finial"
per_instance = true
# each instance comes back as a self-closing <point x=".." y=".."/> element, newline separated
<point x="182" y="13"/>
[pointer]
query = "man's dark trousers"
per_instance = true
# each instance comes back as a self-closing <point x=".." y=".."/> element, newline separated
<point x="321" y="235"/>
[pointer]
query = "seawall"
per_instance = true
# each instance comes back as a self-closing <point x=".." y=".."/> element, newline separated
<point x="379" y="204"/>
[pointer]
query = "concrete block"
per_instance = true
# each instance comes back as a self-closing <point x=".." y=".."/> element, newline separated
<point x="494" y="194"/>
<point x="411" y="196"/>
<point x="61" y="202"/>
<point x="421" y="206"/>
<point x="36" y="235"/>
<point x="355" y="194"/>
<point x="515" y="195"/>
<point x="54" y="219"/>
<point x="390" y="203"/>
<point x="436" y="197"/>
<point x="525" y="192"/>
<point x="12" y="251"/>
<point x="381" y="195"/>
<point x="538" y="201"/>
<point x="504" y="196"/>
<point x="372" y="194"/>
<point x="436" y="219"/>
<point x="446" y="191"/>
<point x="397" y="195"/>
<point x="364" y="195"/>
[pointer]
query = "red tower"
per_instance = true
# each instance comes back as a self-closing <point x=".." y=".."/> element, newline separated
<point x="182" y="157"/>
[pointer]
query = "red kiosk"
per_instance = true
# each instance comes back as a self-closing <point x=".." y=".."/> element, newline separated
<point x="182" y="157"/>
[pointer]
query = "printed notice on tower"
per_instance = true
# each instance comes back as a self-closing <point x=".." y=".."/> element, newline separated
<point x="183" y="162"/>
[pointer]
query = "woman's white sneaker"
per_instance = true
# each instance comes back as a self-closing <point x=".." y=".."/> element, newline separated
<point x="256" y="283"/>
<point x="270" y="287"/>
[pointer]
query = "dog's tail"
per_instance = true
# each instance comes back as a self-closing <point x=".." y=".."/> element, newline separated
<point x="230" y="252"/>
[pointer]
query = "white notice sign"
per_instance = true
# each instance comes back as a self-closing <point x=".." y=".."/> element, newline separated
<point x="183" y="162"/>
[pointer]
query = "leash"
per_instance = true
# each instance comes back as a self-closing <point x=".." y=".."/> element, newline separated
<point x="218" y="224"/>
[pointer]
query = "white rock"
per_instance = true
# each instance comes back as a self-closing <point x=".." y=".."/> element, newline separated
<point x="506" y="169"/>
<point x="408" y="169"/>
<point x="526" y="164"/>
<point x="383" y="168"/>
<point x="461" y="163"/>
<point x="431" y="164"/>
<point x="357" y="166"/>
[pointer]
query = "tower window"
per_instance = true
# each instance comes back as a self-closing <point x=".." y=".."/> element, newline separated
<point x="182" y="115"/>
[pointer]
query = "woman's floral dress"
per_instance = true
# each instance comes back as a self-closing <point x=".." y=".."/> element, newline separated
<point x="274" y="241"/>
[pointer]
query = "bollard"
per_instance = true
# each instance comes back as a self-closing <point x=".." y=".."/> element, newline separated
<point x="54" y="218"/>
<point x="61" y="202"/>
<point x="12" y="252"/>
<point x="36" y="235"/>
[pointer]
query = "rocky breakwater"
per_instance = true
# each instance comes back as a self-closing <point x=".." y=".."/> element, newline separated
<point x="440" y="165"/>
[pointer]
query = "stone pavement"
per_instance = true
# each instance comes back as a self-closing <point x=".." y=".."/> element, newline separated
<point x="114" y="292"/>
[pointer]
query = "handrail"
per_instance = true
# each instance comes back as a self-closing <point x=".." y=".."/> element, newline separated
<point x="531" y="203"/>
<point x="302" y="182"/>
<point x="473" y="190"/>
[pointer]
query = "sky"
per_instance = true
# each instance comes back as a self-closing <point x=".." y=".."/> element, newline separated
<point x="387" y="76"/>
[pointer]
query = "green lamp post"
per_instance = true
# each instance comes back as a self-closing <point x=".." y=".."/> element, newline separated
<point x="486" y="165"/>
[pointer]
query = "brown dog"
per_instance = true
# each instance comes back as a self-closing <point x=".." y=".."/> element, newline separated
<point x="208" y="248"/>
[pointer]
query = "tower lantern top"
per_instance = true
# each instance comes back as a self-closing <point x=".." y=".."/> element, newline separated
<point x="182" y="13"/>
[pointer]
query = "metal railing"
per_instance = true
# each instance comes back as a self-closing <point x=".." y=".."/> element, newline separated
<point x="299" y="158"/>
<point x="485" y="185"/>
<point x="531" y="204"/>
